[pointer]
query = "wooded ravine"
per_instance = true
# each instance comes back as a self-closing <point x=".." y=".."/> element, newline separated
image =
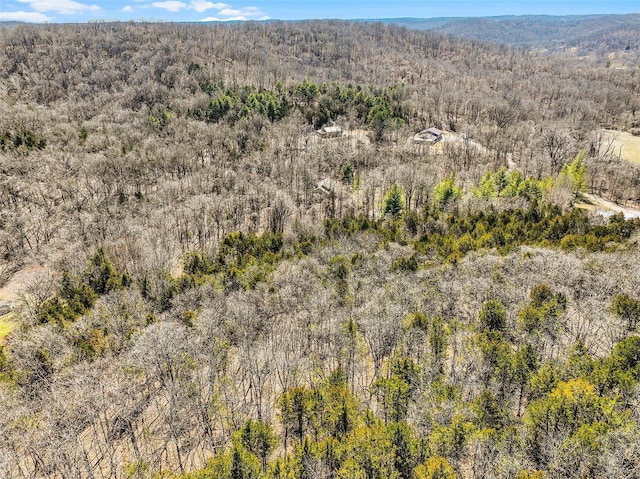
<point x="319" y="249"/>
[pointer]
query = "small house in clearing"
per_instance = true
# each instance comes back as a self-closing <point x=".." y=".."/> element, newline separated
<point x="6" y="307"/>
<point x="430" y="135"/>
<point x="330" y="132"/>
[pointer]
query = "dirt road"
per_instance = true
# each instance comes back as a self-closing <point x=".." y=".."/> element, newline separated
<point x="606" y="208"/>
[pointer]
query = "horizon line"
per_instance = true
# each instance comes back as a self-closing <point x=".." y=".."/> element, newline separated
<point x="360" y="19"/>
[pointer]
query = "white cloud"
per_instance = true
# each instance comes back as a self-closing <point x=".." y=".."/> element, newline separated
<point x="225" y="12"/>
<point x="63" y="7"/>
<point x="248" y="12"/>
<point x="202" y="6"/>
<point x="238" y="18"/>
<point x="127" y="8"/>
<point x="171" y="5"/>
<point x="228" y="12"/>
<point x="21" y="16"/>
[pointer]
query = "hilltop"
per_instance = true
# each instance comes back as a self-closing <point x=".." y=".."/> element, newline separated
<point x="585" y="33"/>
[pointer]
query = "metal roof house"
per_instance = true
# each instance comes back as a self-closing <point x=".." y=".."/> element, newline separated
<point x="330" y="132"/>
<point x="6" y="307"/>
<point x="430" y="135"/>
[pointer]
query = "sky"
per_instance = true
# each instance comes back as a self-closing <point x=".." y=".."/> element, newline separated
<point x="63" y="11"/>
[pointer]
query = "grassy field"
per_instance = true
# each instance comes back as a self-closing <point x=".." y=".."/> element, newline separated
<point x="6" y="326"/>
<point x="625" y="144"/>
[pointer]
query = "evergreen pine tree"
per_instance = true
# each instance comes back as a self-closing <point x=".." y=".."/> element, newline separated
<point x="393" y="201"/>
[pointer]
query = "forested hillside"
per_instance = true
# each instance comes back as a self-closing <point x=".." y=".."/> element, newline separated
<point x="593" y="36"/>
<point x="215" y="289"/>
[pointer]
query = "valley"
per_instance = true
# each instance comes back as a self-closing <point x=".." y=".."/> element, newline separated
<point x="319" y="249"/>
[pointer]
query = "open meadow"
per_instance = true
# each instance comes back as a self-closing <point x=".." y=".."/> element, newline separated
<point x="624" y="144"/>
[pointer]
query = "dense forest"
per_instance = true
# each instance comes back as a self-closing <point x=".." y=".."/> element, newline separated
<point x="593" y="36"/>
<point x="216" y="287"/>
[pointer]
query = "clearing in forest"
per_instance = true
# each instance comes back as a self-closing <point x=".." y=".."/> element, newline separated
<point x="10" y="294"/>
<point x="605" y="207"/>
<point x="624" y="144"/>
<point x="6" y="326"/>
